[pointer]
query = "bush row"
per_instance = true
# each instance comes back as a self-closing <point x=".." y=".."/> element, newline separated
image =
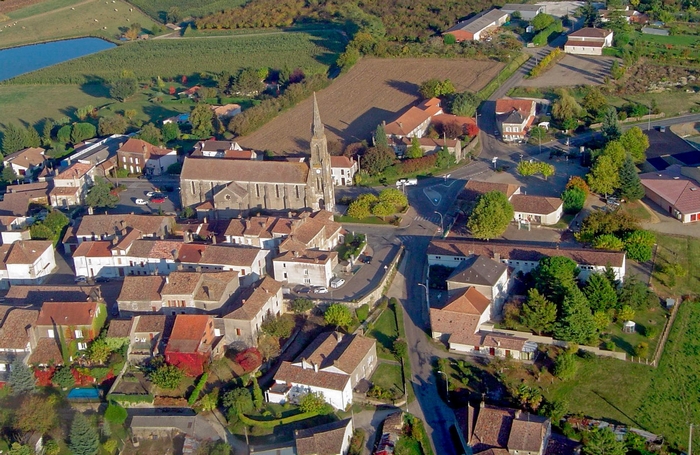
<point x="545" y="62"/>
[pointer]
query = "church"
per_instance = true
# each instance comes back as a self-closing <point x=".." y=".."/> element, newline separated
<point x="228" y="188"/>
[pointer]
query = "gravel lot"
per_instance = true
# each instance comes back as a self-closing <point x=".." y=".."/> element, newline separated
<point x="573" y="70"/>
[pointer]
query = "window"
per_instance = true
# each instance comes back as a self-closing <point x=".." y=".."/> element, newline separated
<point x="297" y="190"/>
<point x="306" y="271"/>
<point x="50" y="333"/>
<point x="131" y="159"/>
<point x="3" y="367"/>
<point x="238" y="332"/>
<point x="307" y="280"/>
<point x="277" y="191"/>
<point x="82" y="346"/>
<point x="257" y="190"/>
<point x="123" y="159"/>
<point x="78" y="333"/>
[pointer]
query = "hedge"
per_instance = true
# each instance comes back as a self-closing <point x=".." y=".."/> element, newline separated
<point x="198" y="389"/>
<point x="124" y="398"/>
<point x="269" y="424"/>
<point x="545" y="62"/>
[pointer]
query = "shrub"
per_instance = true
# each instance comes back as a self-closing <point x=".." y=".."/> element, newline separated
<point x="63" y="378"/>
<point x="280" y="326"/>
<point x="642" y="349"/>
<point x="574" y="200"/>
<point x="249" y="360"/>
<point x="312" y="402"/>
<point x="301" y="305"/>
<point x="166" y="377"/>
<point x="545" y="62"/>
<point x="565" y="366"/>
<point x="115" y="413"/>
<point x="362" y="312"/>
<point x="198" y="389"/>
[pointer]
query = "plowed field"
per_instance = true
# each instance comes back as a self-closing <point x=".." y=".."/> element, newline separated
<point x="374" y="90"/>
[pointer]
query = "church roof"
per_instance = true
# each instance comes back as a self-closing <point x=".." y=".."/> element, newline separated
<point x="214" y="169"/>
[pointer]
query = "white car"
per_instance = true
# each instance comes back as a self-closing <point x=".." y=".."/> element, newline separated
<point x="80" y="279"/>
<point x="321" y="290"/>
<point x="150" y="193"/>
<point x="141" y="202"/>
<point x="337" y="282"/>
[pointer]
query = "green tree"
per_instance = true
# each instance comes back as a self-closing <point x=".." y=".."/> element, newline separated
<point x="611" y="125"/>
<point x="202" y="120"/>
<point x="380" y="139"/>
<point x="604" y="177"/>
<point x="600" y="293"/>
<point x="47" y="127"/>
<point x="616" y="152"/>
<point x="414" y="151"/>
<point x="151" y="134"/>
<point x="594" y="101"/>
<point x="491" y="215"/>
<point x="166" y="377"/>
<point x="112" y="125"/>
<point x="174" y="15"/>
<point x="449" y="39"/>
<point x="123" y="88"/>
<point x="31" y="137"/>
<point x="84" y="439"/>
<point x="547" y="170"/>
<point x="338" y="315"/>
<point x="631" y="188"/>
<point x="576" y="323"/>
<point x="639" y="245"/>
<point x="18" y="449"/>
<point x="435" y="87"/>
<point x="602" y="320"/>
<point x="210" y="401"/>
<point x="565" y="366"/>
<point x="63" y="134"/>
<point x="279" y="326"/>
<point x="537" y="133"/>
<point x="247" y="82"/>
<point x="83" y="112"/>
<point x="301" y="305"/>
<point x="538" y="314"/>
<point x="13" y="139"/>
<point x="393" y="196"/>
<point x="115" y="413"/>
<point x="359" y="209"/>
<point x="566" y="107"/>
<point x="554" y="275"/>
<point x="63" y="377"/>
<point x="626" y="313"/>
<point x="82" y="131"/>
<point x="257" y="394"/>
<point x="542" y="21"/>
<point x="22" y="380"/>
<point x="8" y="175"/>
<point x="527" y="168"/>
<point x="99" y="351"/>
<point x="602" y="441"/>
<point x="239" y="401"/>
<point x="170" y="132"/>
<point x="636" y="143"/>
<point x="574" y="200"/>
<point x="463" y="103"/>
<point x="376" y="159"/>
<point x="608" y="242"/>
<point x="39" y="231"/>
<point x="312" y="402"/>
<point x="383" y="209"/>
<point x="399" y="348"/>
<point x="100" y="195"/>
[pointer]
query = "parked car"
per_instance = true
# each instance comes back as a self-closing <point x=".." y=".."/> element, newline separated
<point x="80" y="279"/>
<point x="102" y="279"/>
<point x="337" y="282"/>
<point x="304" y="290"/>
<point x="321" y="290"/>
<point x="157" y="200"/>
<point x="141" y="201"/>
<point x="367" y="259"/>
<point x="150" y="193"/>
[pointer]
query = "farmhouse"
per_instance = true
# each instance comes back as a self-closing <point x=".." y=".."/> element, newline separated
<point x="140" y="157"/>
<point x="676" y="194"/>
<point x="25" y="162"/>
<point x="588" y="41"/>
<point x="527" y="12"/>
<point x="229" y="188"/>
<point x="514" y="118"/>
<point x="476" y="28"/>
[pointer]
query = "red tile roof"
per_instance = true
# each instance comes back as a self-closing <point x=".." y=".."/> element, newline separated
<point x="46" y="352"/>
<point x="32" y="156"/>
<point x="468" y="301"/>
<point x="141" y="288"/>
<point x="143" y="148"/>
<point x="540" y="205"/>
<point x="307" y="376"/>
<point x="590" y="32"/>
<point x="679" y="191"/>
<point x="14" y="331"/>
<point x="75" y="170"/>
<point x="504" y="105"/>
<point x="342" y="162"/>
<point x="100" y="249"/>
<point x="412" y="118"/>
<point x="475" y="188"/>
<point x="67" y="313"/>
<point x="27" y="251"/>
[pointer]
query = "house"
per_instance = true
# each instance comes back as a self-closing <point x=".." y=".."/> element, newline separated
<point x="139" y="157"/>
<point x="222" y="149"/>
<point x="71" y="185"/>
<point x="475" y="188"/>
<point x="229" y="188"/>
<point x="628" y="15"/>
<point x="36" y="295"/>
<point x="26" y="162"/>
<point x="674" y="193"/>
<point x="302" y="266"/>
<point x="332" y="365"/>
<point x="343" y="169"/>
<point x="16" y="337"/>
<point x="116" y="227"/>
<point x="167" y="426"/>
<point x="250" y="310"/>
<point x="493" y="430"/>
<point x="19" y="199"/>
<point x="476" y="28"/>
<point x="193" y="343"/>
<point x="190" y="92"/>
<point x="514" y="118"/>
<point x="329" y="439"/>
<point x="71" y="325"/>
<point x="588" y="41"/>
<point x="458" y="325"/>
<point x="527" y="12"/>
<point x="197" y="292"/>
<point x="27" y="262"/>
<point x="14" y="228"/>
<point x="524" y="256"/>
<point x="148" y="334"/>
<point x="487" y="276"/>
<point x="415" y="121"/>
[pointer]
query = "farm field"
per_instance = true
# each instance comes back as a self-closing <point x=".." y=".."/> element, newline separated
<point x="372" y="91"/>
<point x="194" y="8"/>
<point x="314" y="52"/>
<point x="58" y="19"/>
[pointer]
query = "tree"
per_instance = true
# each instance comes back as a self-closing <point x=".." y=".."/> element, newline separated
<point x="82" y="131"/>
<point x="616" y="152"/>
<point x="123" y="88"/>
<point x="174" y="15"/>
<point x="636" y="143"/>
<point x="8" y="175"/>
<point x="338" y="315"/>
<point x="604" y="177"/>
<point x="151" y="134"/>
<point x="600" y="293"/>
<point x="574" y="200"/>
<point x="312" y="402"/>
<point x="578" y="182"/>
<point x="257" y="394"/>
<point x="602" y="441"/>
<point x="565" y="366"/>
<point x="393" y="196"/>
<point x="611" y="126"/>
<point x="268" y="346"/>
<point x="449" y="38"/>
<point x="100" y="195"/>
<point x="491" y="216"/>
<point x="566" y="107"/>
<point x="301" y="305"/>
<point x="171" y="132"/>
<point x="112" y="125"/>
<point x="280" y="326"/>
<point x="84" y="439"/>
<point x="238" y="400"/>
<point x="538" y="314"/>
<point x="63" y="378"/>
<point x="435" y="87"/>
<point x="376" y="159"/>
<point x="166" y="376"/>
<point x="542" y="21"/>
<point x="210" y="401"/>
<point x="13" y="139"/>
<point x="19" y="449"/>
<point x="98" y="351"/>
<point x="247" y="82"/>
<point x="602" y="320"/>
<point x="537" y="133"/>
<point x="576" y="322"/>
<point x="639" y="244"/>
<point x="399" y="348"/>
<point x="527" y="168"/>
<point x="359" y="209"/>
<point x="202" y="120"/>
<point x="31" y="137"/>
<point x="547" y="170"/>
<point x="115" y="413"/>
<point x="626" y="313"/>
<point x="383" y="209"/>
<point x="63" y="134"/>
<point x="608" y="242"/>
<point x="46" y="132"/>
<point x="594" y="101"/>
<point x="22" y="380"/>
<point x="463" y="103"/>
<point x="631" y="188"/>
<point x="554" y="275"/>
<point x="414" y="151"/>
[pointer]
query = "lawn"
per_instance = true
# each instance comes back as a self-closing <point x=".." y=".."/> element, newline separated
<point x="385" y="331"/>
<point x="194" y="8"/>
<point x="651" y="319"/>
<point x="369" y="220"/>
<point x="313" y="52"/>
<point x="388" y="376"/>
<point x="57" y="19"/>
<point x="678" y="250"/>
<point x="637" y="210"/>
<point x="674" y="40"/>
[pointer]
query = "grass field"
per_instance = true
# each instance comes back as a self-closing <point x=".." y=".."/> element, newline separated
<point x="194" y="8"/>
<point x="314" y="52"/>
<point x="674" y="40"/>
<point x="389" y="377"/>
<point x="678" y="250"/>
<point x="372" y="91"/>
<point x="385" y="332"/>
<point x="57" y="19"/>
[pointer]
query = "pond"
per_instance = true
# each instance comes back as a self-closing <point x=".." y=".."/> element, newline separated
<point x="23" y="59"/>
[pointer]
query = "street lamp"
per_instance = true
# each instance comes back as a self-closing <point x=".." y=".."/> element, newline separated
<point x="447" y="385"/>
<point x="442" y="225"/>
<point x="427" y="302"/>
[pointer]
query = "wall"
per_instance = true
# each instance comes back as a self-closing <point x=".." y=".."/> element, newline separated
<point x="583" y="50"/>
<point x="374" y="295"/>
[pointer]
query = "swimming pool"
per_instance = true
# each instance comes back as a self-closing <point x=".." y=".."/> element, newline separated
<point x="84" y="393"/>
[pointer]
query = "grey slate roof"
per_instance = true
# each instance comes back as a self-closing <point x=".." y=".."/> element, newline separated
<point x="478" y="270"/>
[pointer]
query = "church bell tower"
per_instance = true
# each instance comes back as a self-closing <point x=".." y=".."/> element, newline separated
<point x="320" y="178"/>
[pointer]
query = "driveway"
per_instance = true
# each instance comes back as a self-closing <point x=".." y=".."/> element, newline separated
<point x="573" y="70"/>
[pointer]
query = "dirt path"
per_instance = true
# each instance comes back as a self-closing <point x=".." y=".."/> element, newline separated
<point x="177" y="35"/>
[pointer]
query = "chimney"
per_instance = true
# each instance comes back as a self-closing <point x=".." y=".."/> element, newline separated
<point x="296" y="254"/>
<point x="315" y="367"/>
<point x="204" y="220"/>
<point x="213" y="239"/>
<point x="401" y="125"/>
<point x="167" y="280"/>
<point x="90" y="312"/>
<point x="243" y="301"/>
<point x="497" y="257"/>
<point x="517" y="413"/>
<point x="174" y="252"/>
<point x="303" y="361"/>
<point x="339" y="336"/>
<point x="206" y="291"/>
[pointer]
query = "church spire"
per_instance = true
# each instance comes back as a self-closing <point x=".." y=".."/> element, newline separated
<point x="317" y="126"/>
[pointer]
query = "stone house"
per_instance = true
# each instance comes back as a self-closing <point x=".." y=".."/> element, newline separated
<point x="242" y="324"/>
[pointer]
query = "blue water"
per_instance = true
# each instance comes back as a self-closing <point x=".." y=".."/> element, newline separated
<point x="23" y="59"/>
<point x="89" y="393"/>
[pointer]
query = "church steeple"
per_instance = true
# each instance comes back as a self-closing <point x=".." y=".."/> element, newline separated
<point x="317" y="126"/>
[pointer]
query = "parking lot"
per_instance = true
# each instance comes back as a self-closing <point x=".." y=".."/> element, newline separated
<point x="138" y="189"/>
<point x="573" y="70"/>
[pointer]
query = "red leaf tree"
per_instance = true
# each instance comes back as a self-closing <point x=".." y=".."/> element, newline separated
<point x="249" y="360"/>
